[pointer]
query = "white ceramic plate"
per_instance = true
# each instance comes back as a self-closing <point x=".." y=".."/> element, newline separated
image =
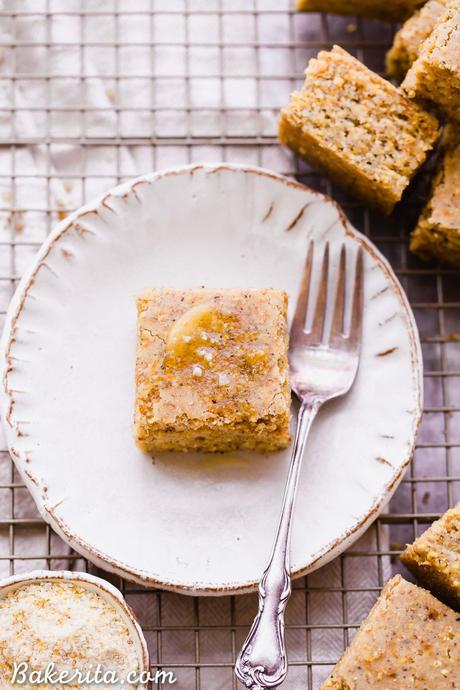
<point x="191" y="523"/>
<point x="94" y="584"/>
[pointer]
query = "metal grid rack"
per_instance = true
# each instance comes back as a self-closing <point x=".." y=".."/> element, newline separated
<point x="203" y="80"/>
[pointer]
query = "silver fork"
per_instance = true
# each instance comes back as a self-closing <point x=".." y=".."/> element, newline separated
<point x="323" y="366"/>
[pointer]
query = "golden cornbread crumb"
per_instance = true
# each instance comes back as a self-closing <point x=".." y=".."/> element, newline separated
<point x="388" y="10"/>
<point x="357" y="128"/>
<point x="435" y="75"/>
<point x="212" y="370"/>
<point x="437" y="233"/>
<point x="408" y="40"/>
<point x="66" y="624"/>
<point x="434" y="557"/>
<point x="408" y="641"/>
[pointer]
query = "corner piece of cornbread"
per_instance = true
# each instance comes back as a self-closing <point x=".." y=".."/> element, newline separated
<point x="409" y="640"/>
<point x="435" y="75"/>
<point x="437" y="233"/>
<point x="388" y="10"/>
<point x="434" y="558"/>
<point x="410" y="37"/>
<point x="212" y="370"/>
<point x="358" y="129"/>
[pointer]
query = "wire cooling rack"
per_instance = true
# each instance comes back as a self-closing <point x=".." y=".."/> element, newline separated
<point x="185" y="81"/>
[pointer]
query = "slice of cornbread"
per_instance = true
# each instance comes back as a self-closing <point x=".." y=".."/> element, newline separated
<point x="357" y="128"/>
<point x="437" y="233"/>
<point x="409" y="640"/>
<point x="212" y="370"/>
<point x="435" y="75"/>
<point x="388" y="10"/>
<point x="408" y="40"/>
<point x="434" y="558"/>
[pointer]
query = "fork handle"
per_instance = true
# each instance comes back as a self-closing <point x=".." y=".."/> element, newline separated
<point x="262" y="662"/>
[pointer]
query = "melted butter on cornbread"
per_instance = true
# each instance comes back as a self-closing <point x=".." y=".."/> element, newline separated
<point x="201" y="338"/>
<point x="197" y="337"/>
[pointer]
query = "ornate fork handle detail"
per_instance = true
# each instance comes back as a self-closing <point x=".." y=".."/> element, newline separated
<point x="266" y="639"/>
<point x="262" y="662"/>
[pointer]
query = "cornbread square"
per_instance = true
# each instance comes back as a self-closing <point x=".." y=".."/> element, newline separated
<point x="435" y="75"/>
<point x="409" y="640"/>
<point x="212" y="370"/>
<point x="388" y="10"/>
<point x="357" y="128"/>
<point x="408" y="40"/>
<point x="434" y="558"/>
<point x="437" y="233"/>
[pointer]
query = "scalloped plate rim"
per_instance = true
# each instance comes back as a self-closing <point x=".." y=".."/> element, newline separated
<point x="330" y="550"/>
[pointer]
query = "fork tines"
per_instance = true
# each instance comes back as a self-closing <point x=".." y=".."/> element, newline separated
<point x="320" y="333"/>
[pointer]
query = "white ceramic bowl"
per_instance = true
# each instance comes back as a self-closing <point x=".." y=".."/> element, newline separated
<point x="93" y="584"/>
<point x="191" y="523"/>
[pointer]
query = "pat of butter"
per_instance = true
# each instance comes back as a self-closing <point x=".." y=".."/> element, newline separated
<point x="195" y="338"/>
<point x="189" y="325"/>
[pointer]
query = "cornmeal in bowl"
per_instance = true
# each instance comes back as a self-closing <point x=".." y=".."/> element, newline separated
<point x="66" y="624"/>
<point x="212" y="370"/>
